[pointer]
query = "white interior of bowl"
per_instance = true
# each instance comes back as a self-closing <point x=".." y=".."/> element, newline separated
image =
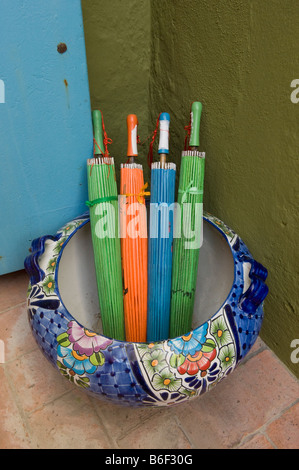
<point x="78" y="289"/>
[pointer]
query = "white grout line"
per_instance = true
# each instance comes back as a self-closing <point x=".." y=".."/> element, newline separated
<point x="13" y="307"/>
<point x="263" y="429"/>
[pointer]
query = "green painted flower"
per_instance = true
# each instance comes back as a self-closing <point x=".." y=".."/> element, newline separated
<point x="59" y="244"/>
<point x="227" y="356"/>
<point x="72" y="376"/>
<point x="224" y="227"/>
<point x="67" y="229"/>
<point x="49" y="285"/>
<point x="166" y="381"/>
<point x="154" y="361"/>
<point x="220" y="331"/>
<point x="51" y="265"/>
<point x="149" y="347"/>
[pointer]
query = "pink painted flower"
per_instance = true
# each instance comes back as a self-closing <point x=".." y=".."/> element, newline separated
<point x="85" y="341"/>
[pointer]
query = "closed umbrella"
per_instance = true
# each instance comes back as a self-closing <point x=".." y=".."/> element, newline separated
<point x="188" y="229"/>
<point x="134" y="241"/>
<point x="103" y="207"/>
<point x="161" y="238"/>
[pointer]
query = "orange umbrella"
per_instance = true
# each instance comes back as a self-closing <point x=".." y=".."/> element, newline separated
<point x="133" y="226"/>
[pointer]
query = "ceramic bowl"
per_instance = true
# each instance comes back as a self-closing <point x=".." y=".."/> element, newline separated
<point x="63" y="311"/>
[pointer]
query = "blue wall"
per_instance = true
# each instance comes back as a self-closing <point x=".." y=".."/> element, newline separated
<point x="45" y="123"/>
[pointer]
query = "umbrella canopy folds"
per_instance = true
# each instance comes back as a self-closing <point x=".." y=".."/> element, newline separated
<point x="134" y="243"/>
<point x="103" y="207"/>
<point x="161" y="238"/>
<point x="188" y="231"/>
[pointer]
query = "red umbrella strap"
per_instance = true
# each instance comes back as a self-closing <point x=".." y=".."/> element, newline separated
<point x="187" y="137"/>
<point x="106" y="140"/>
<point x="105" y="160"/>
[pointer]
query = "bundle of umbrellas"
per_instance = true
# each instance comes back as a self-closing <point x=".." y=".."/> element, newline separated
<point x="146" y="275"/>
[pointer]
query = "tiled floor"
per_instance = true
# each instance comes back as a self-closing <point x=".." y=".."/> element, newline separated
<point x="256" y="407"/>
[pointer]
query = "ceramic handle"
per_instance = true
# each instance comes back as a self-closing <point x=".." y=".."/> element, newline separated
<point x="132" y="124"/>
<point x="164" y="122"/>
<point x="98" y="132"/>
<point x="196" y="109"/>
<point x="31" y="263"/>
<point x="258" y="290"/>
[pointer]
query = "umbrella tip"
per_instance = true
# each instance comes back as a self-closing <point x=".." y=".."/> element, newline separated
<point x="163" y="149"/>
<point x="132" y="124"/>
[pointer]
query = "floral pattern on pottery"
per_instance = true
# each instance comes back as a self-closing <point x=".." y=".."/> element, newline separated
<point x="187" y="366"/>
<point x="151" y="374"/>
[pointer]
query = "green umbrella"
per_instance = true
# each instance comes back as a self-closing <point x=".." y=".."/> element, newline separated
<point x="188" y="230"/>
<point x="103" y="206"/>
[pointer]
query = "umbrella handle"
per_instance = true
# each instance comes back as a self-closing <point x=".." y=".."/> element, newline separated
<point x="99" y="148"/>
<point x="164" y="133"/>
<point x="196" y="110"/>
<point x="257" y="290"/>
<point x="31" y="263"/>
<point x="132" y="124"/>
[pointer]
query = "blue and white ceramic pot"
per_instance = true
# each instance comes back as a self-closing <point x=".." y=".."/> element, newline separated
<point x="63" y="312"/>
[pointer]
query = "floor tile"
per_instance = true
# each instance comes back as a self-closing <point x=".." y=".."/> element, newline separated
<point x="257" y="391"/>
<point x="36" y="381"/>
<point x="13" y="289"/>
<point x="16" y="332"/>
<point x="284" y="431"/>
<point x="119" y="420"/>
<point x="13" y="433"/>
<point x="259" y="441"/>
<point x="159" y="432"/>
<point x="68" y="423"/>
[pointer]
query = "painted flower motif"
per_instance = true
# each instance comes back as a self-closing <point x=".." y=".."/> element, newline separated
<point x="49" y="285"/>
<point x="220" y="331"/>
<point x="77" y="363"/>
<point x="85" y="341"/>
<point x="72" y="376"/>
<point x="155" y="361"/>
<point x="199" y="362"/>
<point x="224" y="227"/>
<point x="191" y="343"/>
<point x="51" y="265"/>
<point x="227" y="356"/>
<point x="166" y="381"/>
<point x="36" y="299"/>
<point x="59" y="244"/>
<point x="67" y="229"/>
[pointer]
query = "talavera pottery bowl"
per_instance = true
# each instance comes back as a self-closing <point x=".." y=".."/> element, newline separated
<point x="63" y="310"/>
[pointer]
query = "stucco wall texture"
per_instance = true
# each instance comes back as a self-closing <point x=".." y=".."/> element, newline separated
<point x="117" y="39"/>
<point x="239" y="58"/>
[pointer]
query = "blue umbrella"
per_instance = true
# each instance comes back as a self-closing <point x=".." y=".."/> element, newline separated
<point x="161" y="238"/>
